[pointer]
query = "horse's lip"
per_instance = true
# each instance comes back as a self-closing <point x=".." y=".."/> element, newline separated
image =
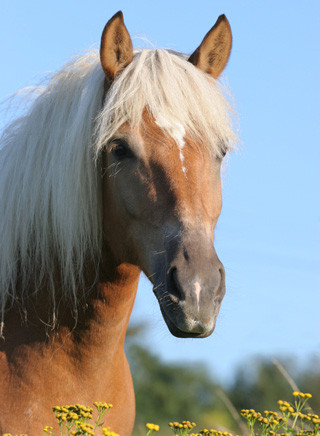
<point x="176" y="331"/>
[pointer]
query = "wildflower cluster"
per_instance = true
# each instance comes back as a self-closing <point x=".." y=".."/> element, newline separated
<point x="184" y="427"/>
<point x="290" y="420"/>
<point x="100" y="405"/>
<point x="74" y="420"/>
<point x="102" y="408"/>
<point x="213" y="432"/>
<point x="83" y="428"/>
<point x="72" y="413"/>
<point x="107" y="432"/>
<point x="181" y="428"/>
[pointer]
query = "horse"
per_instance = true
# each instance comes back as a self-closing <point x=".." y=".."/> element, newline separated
<point x="113" y="169"/>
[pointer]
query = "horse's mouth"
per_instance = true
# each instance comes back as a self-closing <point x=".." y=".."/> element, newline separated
<point x="184" y="333"/>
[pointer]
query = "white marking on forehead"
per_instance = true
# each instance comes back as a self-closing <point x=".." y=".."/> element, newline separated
<point x="177" y="132"/>
<point x="197" y="290"/>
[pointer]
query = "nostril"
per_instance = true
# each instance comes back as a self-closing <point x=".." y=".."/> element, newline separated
<point x="174" y="287"/>
<point x="185" y="254"/>
<point x="222" y="287"/>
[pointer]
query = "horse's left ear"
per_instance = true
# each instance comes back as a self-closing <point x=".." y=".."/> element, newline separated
<point x="116" y="50"/>
<point x="213" y="53"/>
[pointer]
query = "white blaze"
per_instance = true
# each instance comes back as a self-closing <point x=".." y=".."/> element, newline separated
<point x="177" y="132"/>
<point x="197" y="290"/>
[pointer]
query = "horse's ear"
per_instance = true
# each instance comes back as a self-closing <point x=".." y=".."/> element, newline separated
<point x="213" y="53"/>
<point x="116" y="50"/>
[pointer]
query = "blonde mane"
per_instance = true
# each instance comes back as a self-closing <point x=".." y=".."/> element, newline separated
<point x="50" y="197"/>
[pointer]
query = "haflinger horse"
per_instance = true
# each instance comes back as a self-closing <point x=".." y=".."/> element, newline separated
<point x="114" y="168"/>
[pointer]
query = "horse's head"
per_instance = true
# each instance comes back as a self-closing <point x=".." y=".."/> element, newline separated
<point x="162" y="189"/>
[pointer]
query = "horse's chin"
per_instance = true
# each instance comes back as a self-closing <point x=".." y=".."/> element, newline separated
<point x="183" y="333"/>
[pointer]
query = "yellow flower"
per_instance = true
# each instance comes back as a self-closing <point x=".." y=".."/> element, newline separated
<point x="301" y="394"/>
<point x="151" y="426"/>
<point x="107" y="432"/>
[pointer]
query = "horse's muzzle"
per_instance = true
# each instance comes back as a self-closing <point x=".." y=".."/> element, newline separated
<point x="191" y="295"/>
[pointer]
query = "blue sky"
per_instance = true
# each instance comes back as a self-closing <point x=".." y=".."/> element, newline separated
<point x="268" y="235"/>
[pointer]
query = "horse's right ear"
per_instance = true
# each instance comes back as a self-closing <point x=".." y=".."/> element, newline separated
<point x="116" y="50"/>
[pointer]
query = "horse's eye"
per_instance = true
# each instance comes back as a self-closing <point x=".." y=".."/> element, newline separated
<point x="120" y="149"/>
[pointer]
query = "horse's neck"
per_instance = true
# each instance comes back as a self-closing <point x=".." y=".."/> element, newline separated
<point x="78" y="362"/>
<point x="107" y="323"/>
<point x="99" y="328"/>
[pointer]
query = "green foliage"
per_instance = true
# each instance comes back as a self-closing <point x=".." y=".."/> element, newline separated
<point x="258" y="387"/>
<point x="167" y="392"/>
<point x="260" y="384"/>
